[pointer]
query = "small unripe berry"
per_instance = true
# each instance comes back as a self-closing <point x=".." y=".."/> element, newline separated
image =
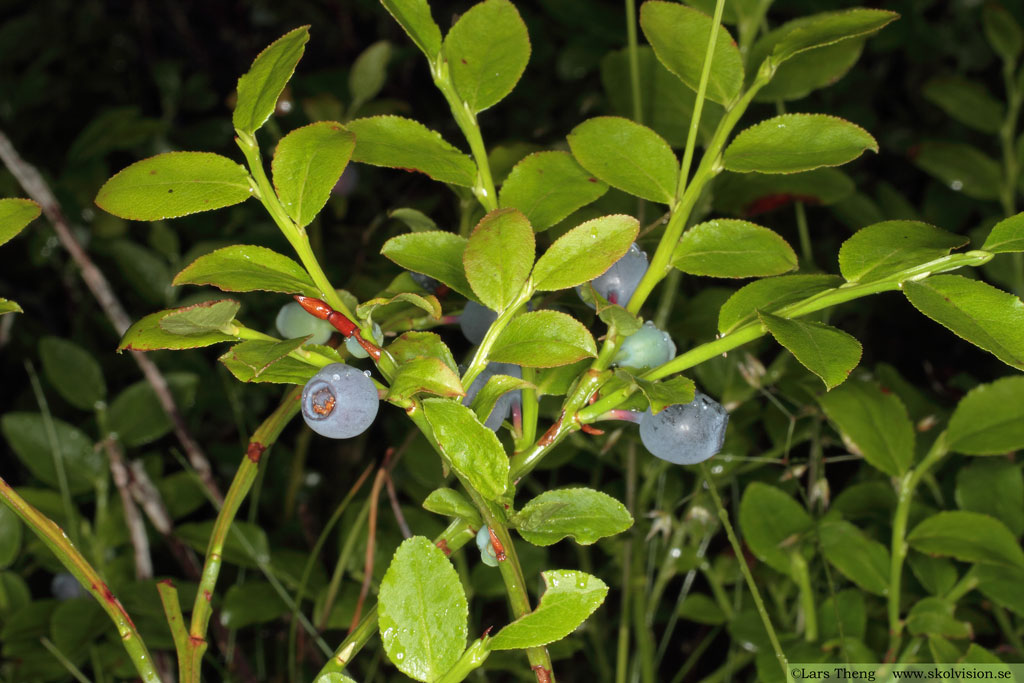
<point x="339" y="402"/>
<point x="487" y="553"/>
<point x="293" y="322"/>
<point x="646" y="348"/>
<point x="357" y="351"/>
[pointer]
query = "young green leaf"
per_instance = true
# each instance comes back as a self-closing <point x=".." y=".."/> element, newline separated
<point x="8" y="306"/>
<point x="968" y="537"/>
<point x="415" y="18"/>
<point x="412" y="345"/>
<point x="250" y="359"/>
<point x="934" y="617"/>
<point x="873" y="424"/>
<point x="201" y="318"/>
<point x="27" y="435"/>
<point x="989" y="420"/>
<point x="1003" y="32"/>
<point x="995" y="487"/>
<point x="966" y="101"/>
<point x="15" y="214"/>
<point x="750" y="194"/>
<point x="73" y="372"/>
<point x="471" y="448"/>
<point x="415" y="220"/>
<point x="397" y="142"/>
<point x="547" y="187"/>
<point x="828" y="28"/>
<point x="496" y="387"/>
<point x="727" y="247"/>
<point x="286" y="370"/>
<point x="147" y="335"/>
<point x="425" y="375"/>
<point x="806" y="72"/>
<point x="423" y="611"/>
<point x="772" y="524"/>
<point x="569" y="598"/>
<point x="666" y="392"/>
<point x="882" y="249"/>
<point x="136" y="414"/>
<point x="174" y="184"/>
<point x="857" y="556"/>
<point x="429" y="304"/>
<point x="628" y="156"/>
<point x="1007" y="235"/>
<point x="543" y="339"/>
<point x="483" y="75"/>
<point x="368" y="74"/>
<point x="791" y="143"/>
<point x="499" y="256"/>
<point x="247" y="268"/>
<point x="829" y="353"/>
<point x="437" y="254"/>
<point x="307" y="164"/>
<point x="961" y="167"/>
<point x="680" y="36"/>
<point x="260" y="87"/>
<point x="770" y="294"/>
<point x="451" y="503"/>
<point x="985" y="316"/>
<point x="585" y="252"/>
<point x="584" y="514"/>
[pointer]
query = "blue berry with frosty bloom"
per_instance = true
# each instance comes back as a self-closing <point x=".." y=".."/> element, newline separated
<point x="618" y="283"/>
<point x="503" y="406"/>
<point x="339" y="402"/>
<point x="475" y="320"/>
<point x="685" y="433"/>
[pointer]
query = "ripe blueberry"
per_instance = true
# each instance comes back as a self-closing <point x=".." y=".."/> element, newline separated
<point x="425" y="281"/>
<point x="358" y="351"/>
<point x="339" y="402"/>
<point x="503" y="406"/>
<point x="293" y="322"/>
<point x="618" y="283"/>
<point x="475" y="321"/>
<point x="685" y="433"/>
<point x="646" y="348"/>
<point x="487" y="553"/>
<point x="65" y="586"/>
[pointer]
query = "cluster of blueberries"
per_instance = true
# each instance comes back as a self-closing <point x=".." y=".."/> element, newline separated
<point x="341" y="401"/>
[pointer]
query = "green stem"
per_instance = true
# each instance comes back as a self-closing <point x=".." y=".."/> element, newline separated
<point x="471" y="660"/>
<point x="479" y="362"/>
<point x="668" y="298"/>
<point x="55" y="652"/>
<point x="898" y="549"/>
<point x="176" y="622"/>
<point x="531" y="409"/>
<point x="54" y="538"/>
<point x="1011" y="165"/>
<point x="347" y="548"/>
<point x="807" y="603"/>
<point x="1008" y="629"/>
<point x="634" y="62"/>
<point x="806" y="249"/>
<point x="264" y="436"/>
<point x="723" y="516"/>
<point x="965" y="585"/>
<point x="622" y="658"/>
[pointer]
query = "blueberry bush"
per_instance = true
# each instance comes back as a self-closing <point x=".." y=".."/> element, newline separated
<point x="580" y="339"/>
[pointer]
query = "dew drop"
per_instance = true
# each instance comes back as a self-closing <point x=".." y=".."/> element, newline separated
<point x="366" y="372"/>
<point x="956" y="185"/>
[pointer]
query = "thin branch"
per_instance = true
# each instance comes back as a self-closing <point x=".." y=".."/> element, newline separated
<point x="395" y="507"/>
<point x="36" y="187"/>
<point x="370" y="544"/>
<point x="132" y="518"/>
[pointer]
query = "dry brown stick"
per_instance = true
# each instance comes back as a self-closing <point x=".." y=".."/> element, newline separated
<point x="132" y="518"/>
<point x="402" y="524"/>
<point x="37" y="188"/>
<point x="371" y="542"/>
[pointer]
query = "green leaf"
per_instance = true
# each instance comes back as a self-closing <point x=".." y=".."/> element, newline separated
<point x="10" y="539"/>
<point x="966" y="101"/>
<point x="483" y="75"/>
<point x="845" y="609"/>
<point x="368" y="74"/>
<point x="936" y="574"/>
<point x="772" y="524"/>
<point x="989" y="420"/>
<point x="499" y="256"/>
<point x="250" y="359"/>
<point x="828" y="28"/>
<point x="962" y="168"/>
<point x="496" y="387"/>
<point x="993" y="487"/>
<point x="147" y="335"/>
<point x="414" y="17"/>
<point x="428" y="303"/>
<point x="886" y="248"/>
<point x="985" y="316"/>
<point x="543" y="339"/>
<point x="26" y="434"/>
<point x="807" y="71"/>
<point x="174" y="184"/>
<point x="248" y="268"/>
<point x="472" y="449"/>
<point x="727" y="247"/>
<point x="667" y="392"/>
<point x="585" y="252"/>
<point x="15" y="214"/>
<point x="791" y="143"/>
<point x="451" y="503"/>
<point x="77" y="623"/>
<point x="1003" y="32"/>
<point x="680" y="36"/>
<point x="569" y="598"/>
<point x="73" y="372"/>
<point x="398" y="142"/>
<point x="417" y="221"/>
<point x="873" y="424"/>
<point x="260" y="87"/>
<point x="436" y="254"/>
<point x="547" y="187"/>
<point x="287" y="370"/>
<point x="770" y="294"/>
<point x="934" y="617"/>
<point x="252" y="602"/>
<point x="136" y="414"/>
<point x="8" y="306"/>
<point x="1002" y="585"/>
<point x="425" y="375"/>
<point x="750" y="194"/>
<point x="584" y="514"/>
<point x="829" y="353"/>
<point x="201" y="318"/>
<point x="1007" y="235"/>
<point x="415" y="344"/>
<point x="423" y="611"/>
<point x="858" y="557"/>
<point x="628" y="156"/>
<point x="334" y="677"/>
<point x="144" y="270"/>
<point x="701" y="609"/>
<point x="968" y="537"/>
<point x="307" y="164"/>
